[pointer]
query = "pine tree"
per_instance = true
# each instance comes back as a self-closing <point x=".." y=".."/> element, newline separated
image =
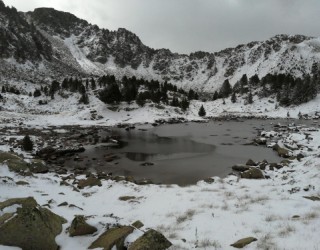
<point x="111" y="94"/>
<point x="184" y="104"/>
<point x="93" y="84"/>
<point x="3" y="90"/>
<point x="202" y="111"/>
<point x="234" y="97"/>
<point x="140" y="100"/>
<point x="243" y="84"/>
<point x="226" y="89"/>
<point x="215" y="96"/>
<point x="27" y="144"/>
<point x="250" y="98"/>
<point x="191" y="94"/>
<point x="84" y="99"/>
<point x="175" y="102"/>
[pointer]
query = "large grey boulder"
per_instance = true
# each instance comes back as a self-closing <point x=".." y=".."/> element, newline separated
<point x="79" y="227"/>
<point x="252" y="173"/>
<point x="112" y="237"/>
<point x="31" y="227"/>
<point x="151" y="240"/>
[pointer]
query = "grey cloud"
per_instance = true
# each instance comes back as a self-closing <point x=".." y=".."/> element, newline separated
<point x="190" y="25"/>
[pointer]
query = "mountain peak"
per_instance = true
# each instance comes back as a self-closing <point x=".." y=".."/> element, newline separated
<point x="56" y="22"/>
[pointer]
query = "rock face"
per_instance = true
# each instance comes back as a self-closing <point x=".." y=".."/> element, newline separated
<point x="151" y="240"/>
<point x="243" y="242"/>
<point x="112" y="237"/>
<point x="64" y="45"/>
<point x="79" y="227"/>
<point x="252" y="173"/>
<point x="31" y="227"/>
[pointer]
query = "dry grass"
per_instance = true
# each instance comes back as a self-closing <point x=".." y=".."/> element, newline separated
<point x="186" y="216"/>
<point x="266" y="243"/>
<point x="208" y="244"/>
<point x="285" y="230"/>
<point x="271" y="217"/>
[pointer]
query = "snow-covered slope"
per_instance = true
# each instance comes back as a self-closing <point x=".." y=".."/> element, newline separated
<point x="63" y="44"/>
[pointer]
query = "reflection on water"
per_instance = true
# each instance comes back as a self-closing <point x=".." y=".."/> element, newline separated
<point x="181" y="153"/>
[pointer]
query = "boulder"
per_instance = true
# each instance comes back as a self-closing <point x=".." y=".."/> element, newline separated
<point x="14" y="162"/>
<point x="38" y="167"/>
<point x="282" y="152"/>
<point x="250" y="162"/>
<point x="240" y="168"/>
<point x="243" y="242"/>
<point x="89" y="182"/>
<point x="252" y="173"/>
<point x="151" y="240"/>
<point x="313" y="198"/>
<point x="31" y="227"/>
<point x="112" y="237"/>
<point x="260" y="141"/>
<point x="137" y="224"/>
<point x="209" y="180"/>
<point x="79" y="227"/>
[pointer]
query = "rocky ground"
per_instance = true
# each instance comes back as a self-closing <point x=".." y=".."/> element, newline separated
<point x="260" y="206"/>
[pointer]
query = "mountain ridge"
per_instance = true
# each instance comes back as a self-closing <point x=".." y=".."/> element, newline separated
<point x="55" y="44"/>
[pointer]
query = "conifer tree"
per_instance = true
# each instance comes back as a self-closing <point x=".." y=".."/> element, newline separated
<point x="234" y="97"/>
<point x="27" y="144"/>
<point x="250" y="98"/>
<point x="184" y="104"/>
<point x="140" y="100"/>
<point x="226" y="89"/>
<point x="202" y="111"/>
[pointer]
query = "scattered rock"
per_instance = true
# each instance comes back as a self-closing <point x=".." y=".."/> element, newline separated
<point x="79" y="227"/>
<point x="14" y="162"/>
<point x="243" y="242"/>
<point x="130" y="179"/>
<point x="31" y="227"/>
<point x="151" y="240"/>
<point x="144" y="182"/>
<point x="250" y="162"/>
<point x="147" y="164"/>
<point x="282" y="152"/>
<point x="22" y="183"/>
<point x="89" y="182"/>
<point x="126" y="198"/>
<point x="273" y="166"/>
<point x="240" y="168"/>
<point x="260" y="141"/>
<point x="63" y="204"/>
<point x="38" y="167"/>
<point x="313" y="198"/>
<point x="252" y="173"/>
<point x="112" y="237"/>
<point x="209" y="180"/>
<point x="137" y="224"/>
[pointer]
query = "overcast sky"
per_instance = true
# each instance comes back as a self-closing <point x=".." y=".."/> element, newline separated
<point x="186" y="26"/>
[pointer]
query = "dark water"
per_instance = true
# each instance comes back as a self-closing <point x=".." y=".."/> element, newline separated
<point x="182" y="153"/>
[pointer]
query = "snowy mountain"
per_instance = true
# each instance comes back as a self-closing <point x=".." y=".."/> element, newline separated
<point x="48" y="44"/>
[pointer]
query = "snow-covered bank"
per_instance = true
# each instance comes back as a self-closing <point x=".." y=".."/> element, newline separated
<point x="206" y="216"/>
<point x="25" y="110"/>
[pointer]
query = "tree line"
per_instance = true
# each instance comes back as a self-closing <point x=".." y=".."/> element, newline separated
<point x="287" y="88"/>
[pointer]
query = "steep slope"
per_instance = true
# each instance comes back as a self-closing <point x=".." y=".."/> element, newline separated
<point x="56" y="44"/>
